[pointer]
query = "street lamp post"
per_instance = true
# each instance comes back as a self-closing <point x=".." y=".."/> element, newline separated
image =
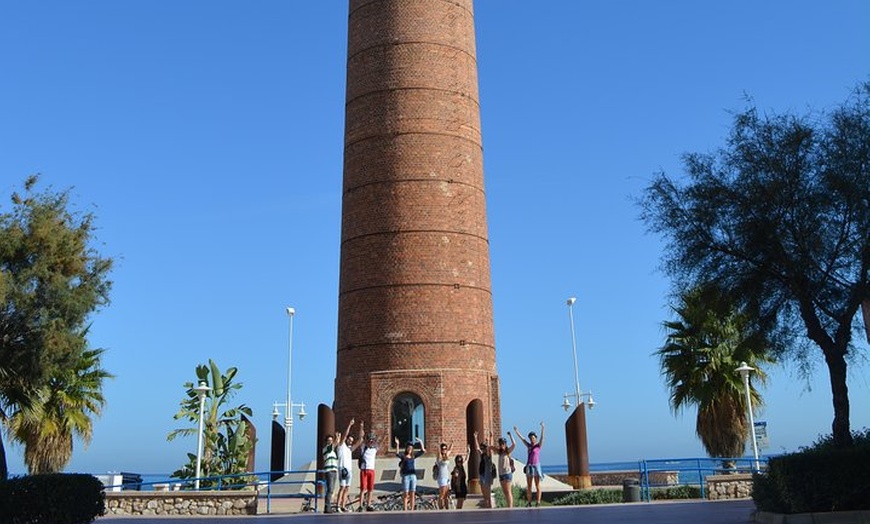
<point x="578" y="395"/>
<point x="570" y="303"/>
<point x="289" y="404"/>
<point x="575" y="426"/>
<point x="744" y="371"/>
<point x="201" y="391"/>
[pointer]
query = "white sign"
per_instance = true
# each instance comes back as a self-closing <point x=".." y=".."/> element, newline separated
<point x="761" y="438"/>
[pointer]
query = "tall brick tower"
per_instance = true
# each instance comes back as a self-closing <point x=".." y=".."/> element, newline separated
<point x="416" y="350"/>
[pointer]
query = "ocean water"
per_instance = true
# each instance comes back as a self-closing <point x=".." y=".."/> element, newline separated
<point x="594" y="467"/>
<point x="690" y="470"/>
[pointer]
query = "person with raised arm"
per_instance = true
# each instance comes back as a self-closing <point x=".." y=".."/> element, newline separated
<point x="533" y="471"/>
<point x="504" y="466"/>
<point x="486" y="469"/>
<point x="408" y="469"/>
<point x="459" y="478"/>
<point x="442" y="475"/>
<point x="345" y="464"/>
<point x="368" y="456"/>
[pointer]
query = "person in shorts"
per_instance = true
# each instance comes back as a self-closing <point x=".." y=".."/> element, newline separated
<point x="442" y="474"/>
<point x="504" y="467"/>
<point x="486" y="469"/>
<point x="345" y="464"/>
<point x="533" y="471"/>
<point x="408" y="469"/>
<point x="367" y="458"/>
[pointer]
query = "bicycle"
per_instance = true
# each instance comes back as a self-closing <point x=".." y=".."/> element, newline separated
<point x="427" y="502"/>
<point x="352" y="506"/>
<point x="308" y="503"/>
<point x="389" y="502"/>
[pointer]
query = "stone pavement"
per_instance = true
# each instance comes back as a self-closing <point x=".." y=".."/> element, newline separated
<point x="682" y="512"/>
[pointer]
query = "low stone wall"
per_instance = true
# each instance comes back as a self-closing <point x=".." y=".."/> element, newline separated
<point x="723" y="487"/>
<point x="615" y="478"/>
<point x="191" y="503"/>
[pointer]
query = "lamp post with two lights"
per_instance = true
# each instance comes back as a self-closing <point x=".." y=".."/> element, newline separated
<point x="575" y="426"/>
<point x="289" y="404"/>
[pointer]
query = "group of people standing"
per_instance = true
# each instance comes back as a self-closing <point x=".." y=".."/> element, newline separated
<point x="496" y="462"/>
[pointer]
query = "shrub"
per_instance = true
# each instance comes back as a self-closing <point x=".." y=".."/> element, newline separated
<point x="684" y="491"/>
<point x="819" y="478"/>
<point x="590" y="496"/>
<point x="51" y="499"/>
<point x="518" y="492"/>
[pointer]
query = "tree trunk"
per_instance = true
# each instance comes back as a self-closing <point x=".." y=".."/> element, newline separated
<point x="840" y="429"/>
<point x="4" y="468"/>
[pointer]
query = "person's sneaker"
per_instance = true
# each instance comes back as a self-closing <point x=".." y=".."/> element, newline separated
<point x="369" y="508"/>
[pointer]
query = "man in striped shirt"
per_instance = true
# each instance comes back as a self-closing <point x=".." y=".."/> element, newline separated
<point x="330" y="469"/>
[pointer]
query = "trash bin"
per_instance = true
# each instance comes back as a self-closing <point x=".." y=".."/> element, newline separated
<point x="630" y="490"/>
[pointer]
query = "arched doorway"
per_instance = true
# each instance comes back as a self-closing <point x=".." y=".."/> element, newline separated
<point x="407" y="418"/>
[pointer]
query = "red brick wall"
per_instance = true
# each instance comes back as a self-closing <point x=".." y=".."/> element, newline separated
<point x="415" y="302"/>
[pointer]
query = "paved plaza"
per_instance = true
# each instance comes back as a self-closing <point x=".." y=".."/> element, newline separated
<point x="684" y="512"/>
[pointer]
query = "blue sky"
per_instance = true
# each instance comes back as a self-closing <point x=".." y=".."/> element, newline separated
<point x="207" y="138"/>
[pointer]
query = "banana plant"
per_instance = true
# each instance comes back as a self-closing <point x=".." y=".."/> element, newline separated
<point x="225" y="433"/>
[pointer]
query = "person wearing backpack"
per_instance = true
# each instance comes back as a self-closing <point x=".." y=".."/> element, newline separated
<point x="504" y="465"/>
<point x="486" y="470"/>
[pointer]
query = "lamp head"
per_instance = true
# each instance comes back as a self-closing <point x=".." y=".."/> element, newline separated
<point x="565" y="404"/>
<point x="745" y="369"/>
<point x="302" y="413"/>
<point x="202" y="389"/>
<point x="290" y="311"/>
<point x="571" y="301"/>
<point x="275" y="411"/>
<point x="591" y="401"/>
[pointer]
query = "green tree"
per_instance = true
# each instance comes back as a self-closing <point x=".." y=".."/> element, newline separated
<point x="703" y="348"/>
<point x="779" y="218"/>
<point x="62" y="409"/>
<point x="51" y="281"/>
<point x="226" y="445"/>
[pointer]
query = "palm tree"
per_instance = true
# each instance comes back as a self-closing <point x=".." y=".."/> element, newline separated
<point x="59" y="411"/>
<point x="702" y="350"/>
<point x="13" y="396"/>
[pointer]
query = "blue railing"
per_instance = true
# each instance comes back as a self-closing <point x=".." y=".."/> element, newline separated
<point x="692" y="471"/>
<point x="261" y="481"/>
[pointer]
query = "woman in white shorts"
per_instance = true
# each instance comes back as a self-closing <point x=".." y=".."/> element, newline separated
<point x="345" y="465"/>
<point x="442" y="470"/>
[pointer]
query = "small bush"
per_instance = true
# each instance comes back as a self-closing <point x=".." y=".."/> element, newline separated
<point x="820" y="478"/>
<point x="684" y="491"/>
<point x="590" y="496"/>
<point x="518" y="493"/>
<point x="51" y="499"/>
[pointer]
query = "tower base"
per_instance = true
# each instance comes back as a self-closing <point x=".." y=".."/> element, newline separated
<point x="474" y="486"/>
<point x="580" y="481"/>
